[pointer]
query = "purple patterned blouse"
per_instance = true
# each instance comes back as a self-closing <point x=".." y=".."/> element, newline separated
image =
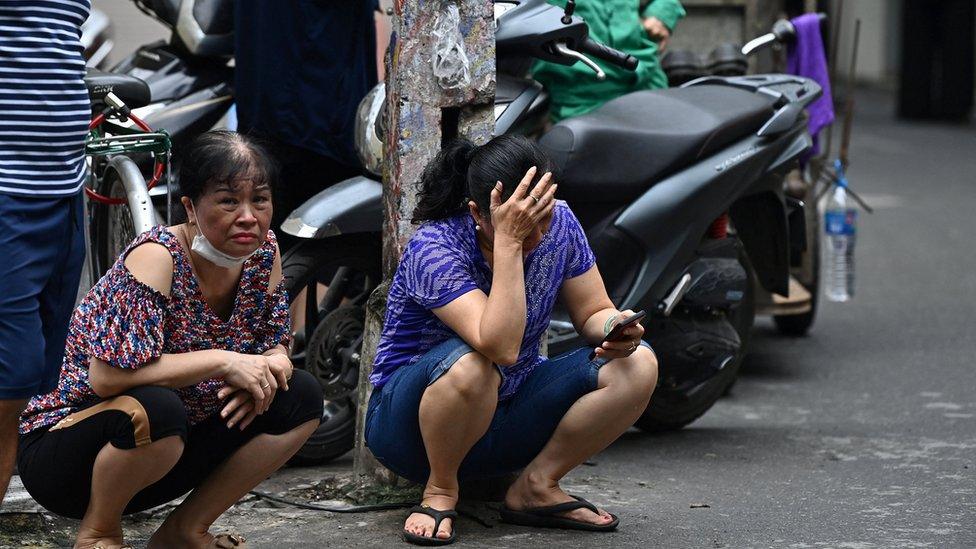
<point x="127" y="324"/>
<point x="442" y="262"/>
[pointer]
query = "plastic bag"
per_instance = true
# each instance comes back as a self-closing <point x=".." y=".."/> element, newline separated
<point x="452" y="70"/>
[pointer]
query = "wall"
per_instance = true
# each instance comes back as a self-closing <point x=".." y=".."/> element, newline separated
<point x="879" y="50"/>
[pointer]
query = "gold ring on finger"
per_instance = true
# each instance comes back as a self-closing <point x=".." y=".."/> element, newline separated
<point x="533" y="197"/>
<point x="266" y="385"/>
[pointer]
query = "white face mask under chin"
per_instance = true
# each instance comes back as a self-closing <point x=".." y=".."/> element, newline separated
<point x="208" y="251"/>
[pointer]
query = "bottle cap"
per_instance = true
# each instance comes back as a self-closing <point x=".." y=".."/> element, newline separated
<point x="841" y="176"/>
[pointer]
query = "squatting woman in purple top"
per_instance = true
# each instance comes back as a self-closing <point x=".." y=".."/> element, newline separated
<point x="460" y="390"/>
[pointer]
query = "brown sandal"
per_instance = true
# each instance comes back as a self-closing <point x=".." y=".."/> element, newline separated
<point x="228" y="541"/>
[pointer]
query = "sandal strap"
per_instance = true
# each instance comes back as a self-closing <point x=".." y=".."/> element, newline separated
<point x="437" y="514"/>
<point x="558" y="508"/>
<point x="228" y="541"/>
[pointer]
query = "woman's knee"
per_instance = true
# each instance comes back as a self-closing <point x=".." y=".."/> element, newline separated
<point x="299" y="404"/>
<point x="647" y="368"/>
<point x="471" y="376"/>
<point x="157" y="413"/>
<point x="635" y="374"/>
<point x="307" y="392"/>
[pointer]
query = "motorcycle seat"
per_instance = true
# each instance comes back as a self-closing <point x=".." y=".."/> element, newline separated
<point x="203" y="27"/>
<point x="133" y="91"/>
<point x="622" y="148"/>
<point x="167" y="11"/>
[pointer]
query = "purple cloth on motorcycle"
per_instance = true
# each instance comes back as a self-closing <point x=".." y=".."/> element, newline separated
<point x="807" y="58"/>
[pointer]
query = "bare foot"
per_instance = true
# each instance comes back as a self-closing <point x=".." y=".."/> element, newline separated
<point x="531" y="490"/>
<point x="170" y="536"/>
<point x="441" y="499"/>
<point x="99" y="543"/>
<point x="89" y="539"/>
<point x="104" y="543"/>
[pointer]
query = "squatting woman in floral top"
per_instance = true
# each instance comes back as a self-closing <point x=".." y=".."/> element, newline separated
<point x="176" y="375"/>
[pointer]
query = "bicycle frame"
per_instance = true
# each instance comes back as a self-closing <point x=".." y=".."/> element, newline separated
<point x="110" y="153"/>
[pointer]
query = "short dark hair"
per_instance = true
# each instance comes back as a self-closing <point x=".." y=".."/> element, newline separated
<point x="222" y="157"/>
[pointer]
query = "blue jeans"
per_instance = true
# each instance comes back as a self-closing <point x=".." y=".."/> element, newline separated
<point x="522" y="424"/>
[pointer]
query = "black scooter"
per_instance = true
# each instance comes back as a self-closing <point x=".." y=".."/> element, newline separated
<point x="680" y="192"/>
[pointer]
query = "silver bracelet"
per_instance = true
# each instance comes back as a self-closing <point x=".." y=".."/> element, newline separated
<point x="606" y="325"/>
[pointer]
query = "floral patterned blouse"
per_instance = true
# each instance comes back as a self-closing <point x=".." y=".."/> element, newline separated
<point x="127" y="324"/>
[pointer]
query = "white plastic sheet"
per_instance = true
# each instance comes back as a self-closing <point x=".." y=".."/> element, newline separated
<point x="452" y="70"/>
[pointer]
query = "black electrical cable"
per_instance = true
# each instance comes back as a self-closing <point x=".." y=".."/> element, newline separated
<point x="347" y="509"/>
<point x="356" y="508"/>
<point x="309" y="506"/>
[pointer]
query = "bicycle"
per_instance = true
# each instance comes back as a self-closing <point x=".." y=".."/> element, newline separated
<point x="121" y="207"/>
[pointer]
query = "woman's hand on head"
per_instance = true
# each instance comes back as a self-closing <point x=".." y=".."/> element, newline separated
<point x="628" y="342"/>
<point x="253" y="374"/>
<point x="516" y="218"/>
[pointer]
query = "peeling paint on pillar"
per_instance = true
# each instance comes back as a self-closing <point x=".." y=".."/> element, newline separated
<point x="413" y="125"/>
<point x="416" y="100"/>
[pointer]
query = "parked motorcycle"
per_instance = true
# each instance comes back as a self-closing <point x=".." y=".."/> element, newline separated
<point x="680" y="192"/>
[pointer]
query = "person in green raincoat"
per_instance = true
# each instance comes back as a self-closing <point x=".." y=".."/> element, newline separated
<point x="621" y="24"/>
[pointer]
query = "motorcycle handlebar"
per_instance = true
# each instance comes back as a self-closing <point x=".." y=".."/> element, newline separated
<point x="608" y="54"/>
<point x="782" y="32"/>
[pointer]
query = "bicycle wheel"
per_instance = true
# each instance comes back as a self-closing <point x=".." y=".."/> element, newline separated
<point x="114" y="227"/>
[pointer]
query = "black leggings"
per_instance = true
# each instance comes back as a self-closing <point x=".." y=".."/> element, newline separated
<point x="56" y="463"/>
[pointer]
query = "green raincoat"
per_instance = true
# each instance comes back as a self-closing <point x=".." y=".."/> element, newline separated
<point x="574" y="89"/>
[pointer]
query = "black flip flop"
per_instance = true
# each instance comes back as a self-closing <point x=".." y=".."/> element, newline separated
<point x="545" y="517"/>
<point x="438" y="517"/>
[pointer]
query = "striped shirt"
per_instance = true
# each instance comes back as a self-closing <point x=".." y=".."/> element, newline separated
<point x="44" y="105"/>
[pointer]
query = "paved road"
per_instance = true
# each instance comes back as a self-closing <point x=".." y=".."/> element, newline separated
<point x="864" y="433"/>
<point x="861" y="435"/>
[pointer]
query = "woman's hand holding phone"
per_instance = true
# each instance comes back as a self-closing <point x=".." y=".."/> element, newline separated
<point x="623" y="338"/>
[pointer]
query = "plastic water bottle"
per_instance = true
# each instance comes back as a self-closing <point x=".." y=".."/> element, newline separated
<point x="840" y="224"/>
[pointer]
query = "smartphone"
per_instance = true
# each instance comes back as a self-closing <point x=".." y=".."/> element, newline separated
<point x="617" y="331"/>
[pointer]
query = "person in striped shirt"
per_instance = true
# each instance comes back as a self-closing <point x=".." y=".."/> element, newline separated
<point x="44" y="114"/>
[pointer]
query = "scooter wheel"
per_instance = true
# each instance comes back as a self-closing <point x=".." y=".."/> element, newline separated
<point x="312" y="262"/>
<point x="670" y="410"/>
